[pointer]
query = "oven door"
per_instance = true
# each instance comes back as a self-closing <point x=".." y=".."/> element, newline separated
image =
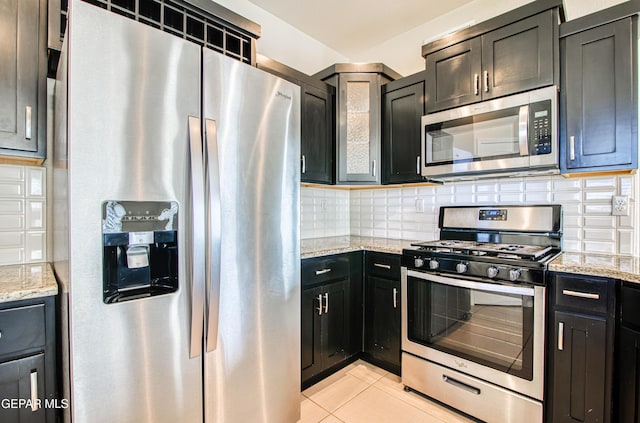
<point x="489" y="330"/>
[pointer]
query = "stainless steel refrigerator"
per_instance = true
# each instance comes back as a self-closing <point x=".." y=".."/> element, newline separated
<point x="176" y="229"/>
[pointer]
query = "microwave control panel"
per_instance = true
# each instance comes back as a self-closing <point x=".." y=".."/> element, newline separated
<point x="540" y="127"/>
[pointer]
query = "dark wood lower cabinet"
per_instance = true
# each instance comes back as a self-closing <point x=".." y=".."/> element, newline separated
<point x="580" y="371"/>
<point x="628" y="395"/>
<point x="580" y="353"/>
<point x="22" y="390"/>
<point x="382" y="310"/>
<point x="28" y="379"/>
<point x="331" y="308"/>
<point x="382" y="315"/>
<point x="324" y="327"/>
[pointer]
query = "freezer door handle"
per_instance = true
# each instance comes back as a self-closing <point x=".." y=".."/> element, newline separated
<point x="197" y="237"/>
<point x="213" y="234"/>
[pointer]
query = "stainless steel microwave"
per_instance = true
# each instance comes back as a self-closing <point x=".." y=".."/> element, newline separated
<point x="516" y="135"/>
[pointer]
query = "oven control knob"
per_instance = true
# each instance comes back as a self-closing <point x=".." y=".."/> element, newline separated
<point x="433" y="264"/>
<point x="514" y="274"/>
<point x="492" y="272"/>
<point x="461" y="267"/>
<point x="418" y="262"/>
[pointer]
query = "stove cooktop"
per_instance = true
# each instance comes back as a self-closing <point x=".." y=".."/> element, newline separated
<point x="508" y="251"/>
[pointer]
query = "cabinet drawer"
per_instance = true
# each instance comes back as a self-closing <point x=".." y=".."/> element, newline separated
<point x="320" y="270"/>
<point x="21" y="328"/>
<point x="383" y="265"/>
<point x="583" y="292"/>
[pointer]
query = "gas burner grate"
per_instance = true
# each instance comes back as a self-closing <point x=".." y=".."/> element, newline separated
<point x="470" y="248"/>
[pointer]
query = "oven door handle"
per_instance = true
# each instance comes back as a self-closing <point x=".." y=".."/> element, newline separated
<point x="483" y="286"/>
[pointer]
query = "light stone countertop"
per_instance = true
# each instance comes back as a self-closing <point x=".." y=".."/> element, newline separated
<point x="25" y="281"/>
<point x="316" y="247"/>
<point x="625" y="268"/>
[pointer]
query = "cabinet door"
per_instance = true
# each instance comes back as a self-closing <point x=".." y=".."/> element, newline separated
<point x="403" y="110"/>
<point x="598" y="105"/>
<point x="629" y="376"/>
<point x="311" y="359"/>
<point x="454" y="75"/>
<point x="23" y="379"/>
<point x="359" y="130"/>
<point x="19" y="74"/>
<point x="579" y="377"/>
<point x="318" y="135"/>
<point x="335" y="322"/>
<point x="382" y="314"/>
<point x="518" y="57"/>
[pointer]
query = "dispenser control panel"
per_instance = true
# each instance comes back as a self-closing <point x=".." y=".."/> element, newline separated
<point x="140" y="249"/>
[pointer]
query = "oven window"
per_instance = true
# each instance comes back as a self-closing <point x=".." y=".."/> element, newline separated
<point x="489" y="328"/>
<point x="487" y="136"/>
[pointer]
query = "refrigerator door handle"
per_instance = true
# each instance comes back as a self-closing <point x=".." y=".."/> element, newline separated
<point x="213" y="234"/>
<point x="197" y="237"/>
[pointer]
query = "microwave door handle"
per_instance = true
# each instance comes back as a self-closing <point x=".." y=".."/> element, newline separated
<point x="523" y="130"/>
<point x="427" y="147"/>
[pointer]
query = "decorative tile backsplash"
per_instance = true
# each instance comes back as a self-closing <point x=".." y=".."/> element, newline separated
<point x="399" y="213"/>
<point x="324" y="212"/>
<point x="412" y="213"/>
<point x="22" y="214"/>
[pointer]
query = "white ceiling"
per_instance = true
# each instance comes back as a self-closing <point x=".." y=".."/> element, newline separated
<point x="352" y="26"/>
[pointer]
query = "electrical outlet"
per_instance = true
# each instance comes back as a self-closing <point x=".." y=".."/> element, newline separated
<point x="419" y="205"/>
<point x="620" y="205"/>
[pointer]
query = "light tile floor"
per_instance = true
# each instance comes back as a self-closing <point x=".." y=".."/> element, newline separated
<point x="363" y="393"/>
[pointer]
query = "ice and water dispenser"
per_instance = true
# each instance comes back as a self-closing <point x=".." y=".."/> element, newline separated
<point x="140" y="249"/>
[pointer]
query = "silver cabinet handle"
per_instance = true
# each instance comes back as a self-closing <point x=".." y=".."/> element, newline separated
<point x="320" y="305"/>
<point x="213" y="262"/>
<point x="395" y="297"/>
<point x="579" y="294"/>
<point x="476" y="84"/>
<point x="304" y="164"/>
<point x="561" y="336"/>
<point x="326" y="302"/>
<point x="373" y="171"/>
<point x="384" y="266"/>
<point x="322" y="272"/>
<point x="418" y="165"/>
<point x="486" y="81"/>
<point x="461" y="385"/>
<point x="27" y="122"/>
<point x="572" y="147"/>
<point x="35" y="402"/>
<point x="198" y="230"/>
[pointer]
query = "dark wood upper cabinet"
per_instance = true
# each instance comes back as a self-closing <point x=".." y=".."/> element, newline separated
<point x="317" y="143"/>
<point x="23" y="72"/>
<point x="454" y="75"/>
<point x="511" y="53"/>
<point x="402" y="110"/>
<point x="598" y="102"/>
<point x="519" y="56"/>
<point x="317" y="122"/>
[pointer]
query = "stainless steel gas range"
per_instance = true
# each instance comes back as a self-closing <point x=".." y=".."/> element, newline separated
<point x="473" y="310"/>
